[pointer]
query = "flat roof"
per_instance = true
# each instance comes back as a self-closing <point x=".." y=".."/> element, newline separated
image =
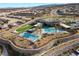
<point x="64" y="25"/>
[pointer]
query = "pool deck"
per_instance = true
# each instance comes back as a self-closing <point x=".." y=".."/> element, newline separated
<point x="39" y="43"/>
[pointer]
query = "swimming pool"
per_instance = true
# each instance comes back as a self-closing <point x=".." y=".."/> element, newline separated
<point x="34" y="37"/>
<point x="30" y="36"/>
<point x="50" y="30"/>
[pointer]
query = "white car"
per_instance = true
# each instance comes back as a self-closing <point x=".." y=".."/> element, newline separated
<point x="77" y="50"/>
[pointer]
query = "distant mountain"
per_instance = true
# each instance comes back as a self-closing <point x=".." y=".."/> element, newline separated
<point x="45" y="6"/>
<point x="55" y="5"/>
<point x="50" y="5"/>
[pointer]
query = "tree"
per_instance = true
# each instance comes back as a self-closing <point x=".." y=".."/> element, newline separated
<point x="32" y="17"/>
<point x="10" y="26"/>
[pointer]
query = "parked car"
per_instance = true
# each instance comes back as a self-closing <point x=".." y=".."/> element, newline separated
<point x="77" y="50"/>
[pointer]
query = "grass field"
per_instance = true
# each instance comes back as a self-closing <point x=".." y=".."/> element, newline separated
<point x="23" y="28"/>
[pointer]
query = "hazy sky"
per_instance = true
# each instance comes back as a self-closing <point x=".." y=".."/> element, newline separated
<point x="10" y="5"/>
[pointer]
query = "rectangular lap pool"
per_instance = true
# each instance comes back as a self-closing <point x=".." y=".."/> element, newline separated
<point x="50" y="30"/>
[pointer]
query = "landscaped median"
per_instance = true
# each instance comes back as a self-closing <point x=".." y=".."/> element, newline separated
<point x="23" y="28"/>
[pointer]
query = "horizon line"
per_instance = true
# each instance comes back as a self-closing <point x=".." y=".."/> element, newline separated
<point x="24" y="5"/>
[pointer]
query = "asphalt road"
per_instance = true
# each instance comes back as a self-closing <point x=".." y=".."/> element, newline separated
<point x="67" y="39"/>
<point x="4" y="52"/>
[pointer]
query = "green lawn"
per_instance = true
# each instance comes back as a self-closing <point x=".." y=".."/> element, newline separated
<point x="23" y="28"/>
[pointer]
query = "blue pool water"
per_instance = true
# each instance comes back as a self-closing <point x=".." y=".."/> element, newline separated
<point x="34" y="37"/>
<point x="50" y="30"/>
<point x="30" y="36"/>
